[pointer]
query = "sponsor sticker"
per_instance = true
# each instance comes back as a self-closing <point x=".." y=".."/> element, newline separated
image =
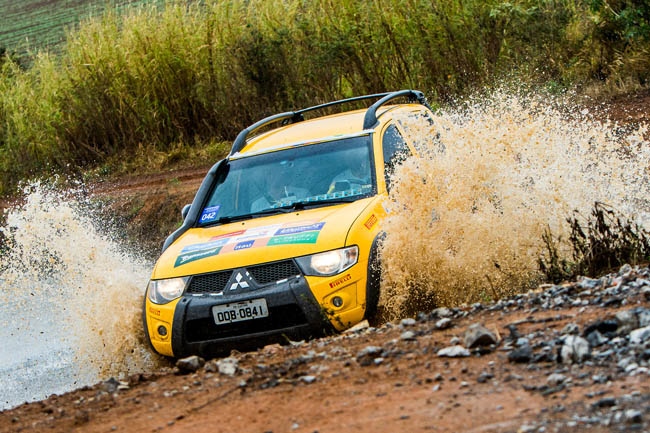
<point x="204" y="246"/>
<point x="304" y="232"/>
<point x="299" y="229"/>
<point x="209" y="214"/>
<point x="340" y="281"/>
<point x="370" y="222"/>
<point x="154" y="311"/>
<point x="228" y="235"/>
<point x="191" y="257"/>
<point x="244" y="245"/>
<point x="299" y="238"/>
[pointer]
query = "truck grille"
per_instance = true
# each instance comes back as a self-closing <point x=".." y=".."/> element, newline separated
<point x="272" y="272"/>
<point x="209" y="283"/>
<point x="263" y="274"/>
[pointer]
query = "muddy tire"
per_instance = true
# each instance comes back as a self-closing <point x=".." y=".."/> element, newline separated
<point x="373" y="282"/>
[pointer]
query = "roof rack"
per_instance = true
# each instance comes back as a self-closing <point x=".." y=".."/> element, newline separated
<point x="289" y="117"/>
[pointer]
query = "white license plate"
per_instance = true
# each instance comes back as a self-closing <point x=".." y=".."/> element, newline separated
<point x="238" y="311"/>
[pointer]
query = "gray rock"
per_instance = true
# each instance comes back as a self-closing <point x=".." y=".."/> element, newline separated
<point x="589" y="283"/>
<point x="442" y="312"/>
<point x="190" y="364"/>
<point x="443" y="323"/>
<point x="522" y="341"/>
<point x="570" y="329"/>
<point x="640" y="335"/>
<point x="646" y="293"/>
<point x="596" y="339"/>
<point x="227" y="366"/>
<point x="643" y="315"/>
<point x="627" y="321"/>
<point x="308" y="379"/>
<point x="407" y="336"/>
<point x="522" y="354"/>
<point x="625" y="269"/>
<point x="211" y="367"/>
<point x="454" y="352"/>
<point x="367" y="355"/>
<point x="454" y="340"/>
<point x="633" y="416"/>
<point x="110" y="385"/>
<point x="574" y="349"/>
<point x="477" y="335"/>
<point x="407" y="322"/>
<point x="605" y="402"/>
<point x="484" y="377"/>
<point x="358" y="327"/>
<point x="370" y="350"/>
<point x="556" y="379"/>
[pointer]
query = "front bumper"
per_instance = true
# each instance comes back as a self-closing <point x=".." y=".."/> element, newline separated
<point x="294" y="313"/>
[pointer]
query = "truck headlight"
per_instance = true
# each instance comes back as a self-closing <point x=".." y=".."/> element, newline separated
<point x="164" y="291"/>
<point x="330" y="262"/>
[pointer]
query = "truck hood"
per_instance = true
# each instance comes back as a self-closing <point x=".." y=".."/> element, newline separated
<point x="259" y="240"/>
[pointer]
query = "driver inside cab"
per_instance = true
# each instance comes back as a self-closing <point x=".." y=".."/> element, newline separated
<point x="355" y="175"/>
<point x="278" y="190"/>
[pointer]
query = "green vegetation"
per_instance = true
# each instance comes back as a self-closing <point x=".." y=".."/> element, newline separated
<point x="153" y="79"/>
<point x="600" y="243"/>
<point x="38" y="24"/>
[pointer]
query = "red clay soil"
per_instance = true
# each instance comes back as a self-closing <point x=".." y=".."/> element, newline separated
<point x="412" y="390"/>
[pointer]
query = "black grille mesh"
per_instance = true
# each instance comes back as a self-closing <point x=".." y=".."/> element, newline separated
<point x="272" y="272"/>
<point x="263" y="274"/>
<point x="209" y="283"/>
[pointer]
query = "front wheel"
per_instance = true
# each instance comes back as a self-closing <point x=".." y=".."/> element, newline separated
<point x="373" y="282"/>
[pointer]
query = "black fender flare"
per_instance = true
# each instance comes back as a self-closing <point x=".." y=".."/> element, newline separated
<point x="373" y="280"/>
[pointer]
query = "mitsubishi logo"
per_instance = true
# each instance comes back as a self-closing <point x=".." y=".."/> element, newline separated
<point x="240" y="281"/>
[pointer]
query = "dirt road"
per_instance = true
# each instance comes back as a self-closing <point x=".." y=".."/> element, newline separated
<point x="566" y="358"/>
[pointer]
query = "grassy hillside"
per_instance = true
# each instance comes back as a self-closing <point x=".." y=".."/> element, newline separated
<point x="151" y="80"/>
<point x="41" y="24"/>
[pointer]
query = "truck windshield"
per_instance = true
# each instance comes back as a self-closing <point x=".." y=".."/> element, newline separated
<point x="300" y="177"/>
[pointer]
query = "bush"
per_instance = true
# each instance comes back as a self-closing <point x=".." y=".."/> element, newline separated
<point x="190" y="73"/>
<point x="603" y="242"/>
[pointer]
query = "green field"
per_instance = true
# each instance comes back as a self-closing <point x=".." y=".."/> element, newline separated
<point x="41" y="24"/>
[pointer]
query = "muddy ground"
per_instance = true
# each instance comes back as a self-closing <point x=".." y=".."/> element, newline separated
<point x="386" y="379"/>
<point x="565" y="358"/>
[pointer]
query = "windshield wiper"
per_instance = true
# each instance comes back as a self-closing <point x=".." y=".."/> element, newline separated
<point x="303" y="204"/>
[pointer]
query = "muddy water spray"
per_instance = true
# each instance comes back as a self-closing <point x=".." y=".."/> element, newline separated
<point x="70" y="301"/>
<point x="468" y="214"/>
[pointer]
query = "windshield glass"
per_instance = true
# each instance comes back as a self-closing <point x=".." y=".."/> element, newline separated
<point x="306" y="176"/>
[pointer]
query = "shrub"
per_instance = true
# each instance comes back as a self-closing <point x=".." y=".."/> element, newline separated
<point x="603" y="242"/>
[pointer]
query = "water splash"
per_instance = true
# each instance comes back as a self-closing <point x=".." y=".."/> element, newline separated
<point x="492" y="175"/>
<point x="70" y="300"/>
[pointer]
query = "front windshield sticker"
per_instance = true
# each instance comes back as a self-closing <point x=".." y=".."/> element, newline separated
<point x="365" y="189"/>
<point x="209" y="214"/>
<point x="303" y="232"/>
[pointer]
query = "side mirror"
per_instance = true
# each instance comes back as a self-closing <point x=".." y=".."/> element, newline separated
<point x="185" y="211"/>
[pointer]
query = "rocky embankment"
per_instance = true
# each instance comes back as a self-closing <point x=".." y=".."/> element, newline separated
<point x="562" y="358"/>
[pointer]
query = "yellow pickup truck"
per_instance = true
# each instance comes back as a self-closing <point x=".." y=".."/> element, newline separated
<point x="281" y="239"/>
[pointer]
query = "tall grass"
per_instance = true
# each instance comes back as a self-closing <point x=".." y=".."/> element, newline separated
<point x="197" y="71"/>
